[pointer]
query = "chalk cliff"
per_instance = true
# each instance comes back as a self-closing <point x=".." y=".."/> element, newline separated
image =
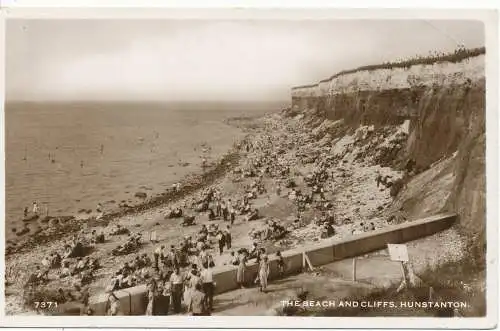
<point x="442" y="102"/>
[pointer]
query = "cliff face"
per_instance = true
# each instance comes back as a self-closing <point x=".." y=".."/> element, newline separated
<point x="444" y="103"/>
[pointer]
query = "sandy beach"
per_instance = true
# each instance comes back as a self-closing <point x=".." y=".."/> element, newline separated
<point x="350" y="180"/>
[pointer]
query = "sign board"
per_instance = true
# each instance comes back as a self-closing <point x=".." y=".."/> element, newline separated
<point x="398" y="252"/>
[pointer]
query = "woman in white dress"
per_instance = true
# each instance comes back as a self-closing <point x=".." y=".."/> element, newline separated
<point x="263" y="273"/>
<point x="191" y="282"/>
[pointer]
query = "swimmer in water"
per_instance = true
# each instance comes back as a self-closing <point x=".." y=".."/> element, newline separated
<point x="81" y="164"/>
<point x="102" y="149"/>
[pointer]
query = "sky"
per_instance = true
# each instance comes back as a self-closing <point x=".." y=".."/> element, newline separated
<point x="195" y="60"/>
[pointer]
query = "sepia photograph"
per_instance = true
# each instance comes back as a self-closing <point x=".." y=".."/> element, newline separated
<point x="247" y="166"/>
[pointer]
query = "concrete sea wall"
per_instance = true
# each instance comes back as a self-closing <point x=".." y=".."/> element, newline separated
<point x="133" y="300"/>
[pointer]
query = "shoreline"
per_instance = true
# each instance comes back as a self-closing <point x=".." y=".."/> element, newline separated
<point x="69" y="224"/>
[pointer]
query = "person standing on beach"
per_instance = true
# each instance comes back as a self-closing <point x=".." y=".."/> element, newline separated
<point x="227" y="234"/>
<point x="378" y="179"/>
<point x="151" y="294"/>
<point x="281" y="264"/>
<point x="218" y="208"/>
<point x="231" y="211"/>
<point x="164" y="298"/>
<point x="177" y="281"/>
<point x="224" y="210"/>
<point x="191" y="281"/>
<point x="112" y="305"/>
<point x="197" y="305"/>
<point x="221" y="240"/>
<point x="263" y="273"/>
<point x="208" y="286"/>
<point x="35" y="207"/>
<point x="156" y="256"/>
<point x="240" y="274"/>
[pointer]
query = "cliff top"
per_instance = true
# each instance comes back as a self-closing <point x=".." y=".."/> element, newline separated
<point x="457" y="56"/>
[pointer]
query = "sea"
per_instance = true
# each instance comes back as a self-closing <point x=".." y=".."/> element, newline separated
<point x="71" y="156"/>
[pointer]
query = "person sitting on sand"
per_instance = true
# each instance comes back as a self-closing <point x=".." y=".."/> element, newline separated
<point x="61" y="296"/>
<point x="234" y="259"/>
<point x="41" y="274"/>
<point x="200" y="244"/>
<point x="67" y="251"/>
<point x="80" y="265"/>
<point x="146" y="261"/>
<point x="46" y="262"/>
<point x="55" y="260"/>
<point x="188" y="220"/>
<point x="254" y="214"/>
<point x="65" y="271"/>
<point x="94" y="264"/>
<point x="127" y="280"/>
<point x="86" y="277"/>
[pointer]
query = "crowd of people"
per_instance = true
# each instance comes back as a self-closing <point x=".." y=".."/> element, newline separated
<point x="177" y="286"/>
<point x="71" y="262"/>
<point x="179" y="276"/>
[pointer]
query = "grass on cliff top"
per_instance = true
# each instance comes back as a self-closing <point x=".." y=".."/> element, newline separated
<point x="457" y="56"/>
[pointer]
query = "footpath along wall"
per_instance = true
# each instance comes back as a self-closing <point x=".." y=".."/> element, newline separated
<point x="133" y="300"/>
